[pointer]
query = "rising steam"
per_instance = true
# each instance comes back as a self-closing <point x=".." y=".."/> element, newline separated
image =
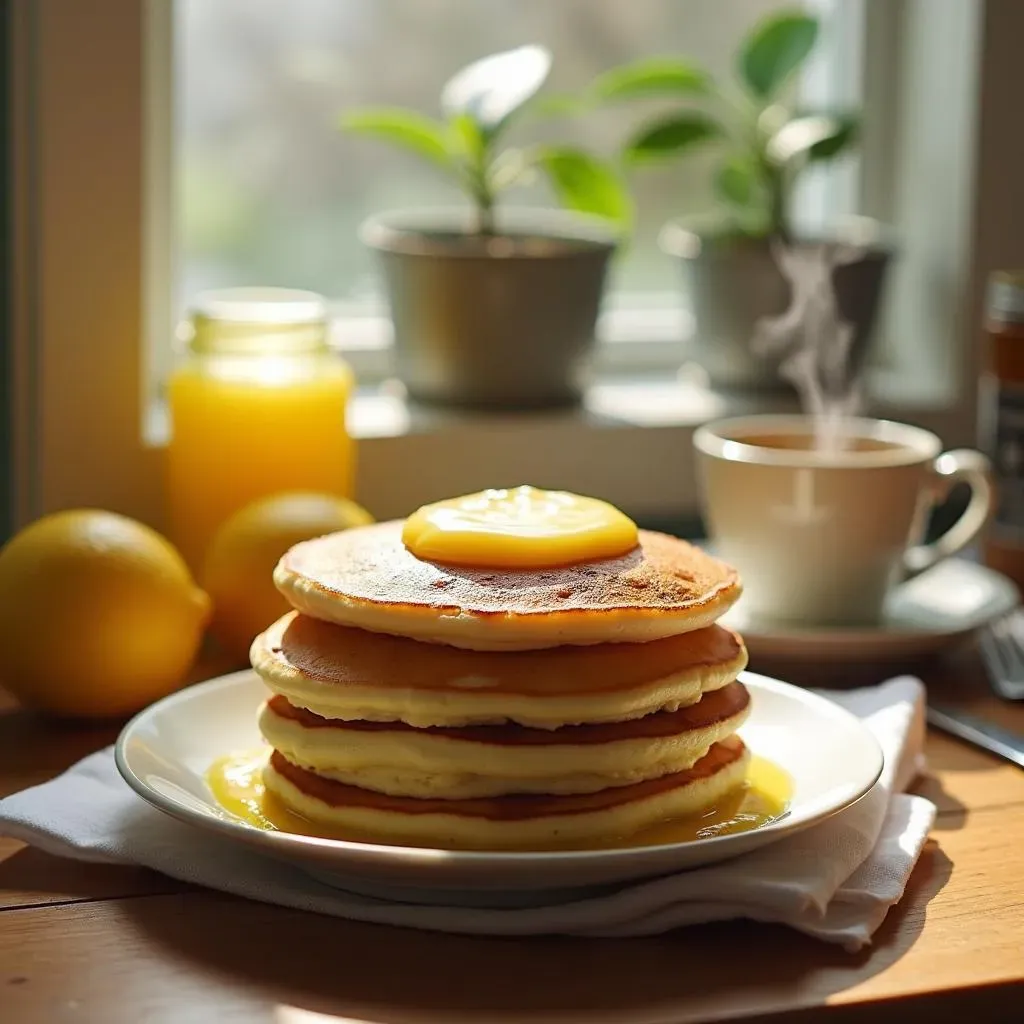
<point x="813" y="340"/>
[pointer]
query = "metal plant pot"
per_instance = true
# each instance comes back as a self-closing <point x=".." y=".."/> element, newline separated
<point x="735" y="282"/>
<point x="500" y="321"/>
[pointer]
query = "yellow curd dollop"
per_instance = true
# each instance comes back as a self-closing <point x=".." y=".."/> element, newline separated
<point x="519" y="528"/>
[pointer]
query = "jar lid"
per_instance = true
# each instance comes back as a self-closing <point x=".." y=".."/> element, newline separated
<point x="1005" y="300"/>
<point x="250" y="320"/>
<point x="260" y="306"/>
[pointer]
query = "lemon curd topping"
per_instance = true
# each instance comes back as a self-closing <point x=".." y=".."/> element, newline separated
<point x="519" y="528"/>
<point x="237" y="785"/>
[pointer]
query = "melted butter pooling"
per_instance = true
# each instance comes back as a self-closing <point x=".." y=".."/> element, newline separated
<point x="519" y="528"/>
<point x="236" y="783"/>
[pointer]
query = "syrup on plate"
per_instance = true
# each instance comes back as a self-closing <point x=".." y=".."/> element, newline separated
<point x="236" y="783"/>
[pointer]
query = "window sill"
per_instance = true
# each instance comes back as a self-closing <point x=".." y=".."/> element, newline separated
<point x="631" y="442"/>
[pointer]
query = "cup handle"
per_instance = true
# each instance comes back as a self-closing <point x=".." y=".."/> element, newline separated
<point x="962" y="465"/>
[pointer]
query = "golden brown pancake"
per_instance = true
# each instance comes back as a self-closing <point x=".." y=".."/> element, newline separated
<point x="494" y="760"/>
<point x="367" y="578"/>
<point x="508" y="822"/>
<point x="340" y="672"/>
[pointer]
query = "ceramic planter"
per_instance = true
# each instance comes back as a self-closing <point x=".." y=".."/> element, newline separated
<point x="734" y="282"/>
<point x="502" y="321"/>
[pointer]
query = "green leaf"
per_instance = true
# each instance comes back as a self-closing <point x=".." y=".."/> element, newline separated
<point x="585" y="184"/>
<point x="654" y="76"/>
<point x="845" y="135"/>
<point x="467" y="139"/>
<point x="419" y="134"/>
<point x="671" y="135"/>
<point x="812" y="137"/>
<point x="492" y="89"/>
<point x="774" y="50"/>
<point x="736" y="181"/>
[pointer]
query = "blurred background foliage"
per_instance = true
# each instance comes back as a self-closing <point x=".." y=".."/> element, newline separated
<point x="268" y="191"/>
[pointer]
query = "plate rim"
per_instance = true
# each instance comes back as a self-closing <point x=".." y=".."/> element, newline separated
<point x="283" y="843"/>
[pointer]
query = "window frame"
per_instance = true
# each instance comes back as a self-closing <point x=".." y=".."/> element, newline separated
<point x="79" y="257"/>
<point x="91" y="243"/>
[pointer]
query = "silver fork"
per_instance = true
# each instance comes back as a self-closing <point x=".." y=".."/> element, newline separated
<point x="1002" y="650"/>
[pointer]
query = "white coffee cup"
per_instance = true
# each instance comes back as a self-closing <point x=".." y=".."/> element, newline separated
<point x="821" y="537"/>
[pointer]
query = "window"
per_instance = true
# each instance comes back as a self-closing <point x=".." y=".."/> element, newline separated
<point x="93" y="205"/>
<point x="268" y="191"/>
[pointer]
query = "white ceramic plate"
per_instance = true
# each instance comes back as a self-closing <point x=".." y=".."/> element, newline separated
<point x="935" y="611"/>
<point x="164" y="752"/>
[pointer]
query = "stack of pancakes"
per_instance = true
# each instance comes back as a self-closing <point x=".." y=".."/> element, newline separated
<point x="426" y="704"/>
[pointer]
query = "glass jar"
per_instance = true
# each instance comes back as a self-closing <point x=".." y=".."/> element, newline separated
<point x="257" y="407"/>
<point x="1002" y="407"/>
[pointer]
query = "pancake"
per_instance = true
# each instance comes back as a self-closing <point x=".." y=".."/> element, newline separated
<point x="367" y="578"/>
<point x="495" y="760"/>
<point x="508" y="822"/>
<point x="340" y="672"/>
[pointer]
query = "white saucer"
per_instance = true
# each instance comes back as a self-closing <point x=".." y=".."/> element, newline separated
<point x="930" y="613"/>
<point x="164" y="752"/>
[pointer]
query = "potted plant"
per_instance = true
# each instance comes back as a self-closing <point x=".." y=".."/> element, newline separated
<point x="495" y="307"/>
<point x="733" y="258"/>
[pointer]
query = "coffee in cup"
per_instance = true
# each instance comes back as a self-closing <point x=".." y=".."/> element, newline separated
<point x="821" y="535"/>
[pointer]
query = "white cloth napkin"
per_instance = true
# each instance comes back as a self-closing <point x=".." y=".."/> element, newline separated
<point x="835" y="881"/>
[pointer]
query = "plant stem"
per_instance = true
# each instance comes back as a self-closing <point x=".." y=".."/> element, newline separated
<point x="484" y="212"/>
<point x="752" y="137"/>
<point x="483" y="195"/>
<point x="778" y="214"/>
<point x="776" y="186"/>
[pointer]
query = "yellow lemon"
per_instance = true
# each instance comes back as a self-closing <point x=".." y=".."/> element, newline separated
<point x="239" y="566"/>
<point x="99" y="615"/>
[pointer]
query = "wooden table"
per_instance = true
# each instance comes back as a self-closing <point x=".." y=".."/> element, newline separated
<point x="112" y="945"/>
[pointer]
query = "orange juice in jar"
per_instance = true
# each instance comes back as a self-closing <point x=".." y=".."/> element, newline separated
<point x="257" y="407"/>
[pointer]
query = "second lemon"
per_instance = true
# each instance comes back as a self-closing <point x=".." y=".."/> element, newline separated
<point x="237" y="572"/>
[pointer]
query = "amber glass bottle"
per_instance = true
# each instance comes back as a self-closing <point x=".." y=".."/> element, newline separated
<point x="1003" y="410"/>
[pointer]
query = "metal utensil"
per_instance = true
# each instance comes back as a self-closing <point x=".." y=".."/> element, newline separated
<point x="996" y="740"/>
<point x="1002" y="650"/>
